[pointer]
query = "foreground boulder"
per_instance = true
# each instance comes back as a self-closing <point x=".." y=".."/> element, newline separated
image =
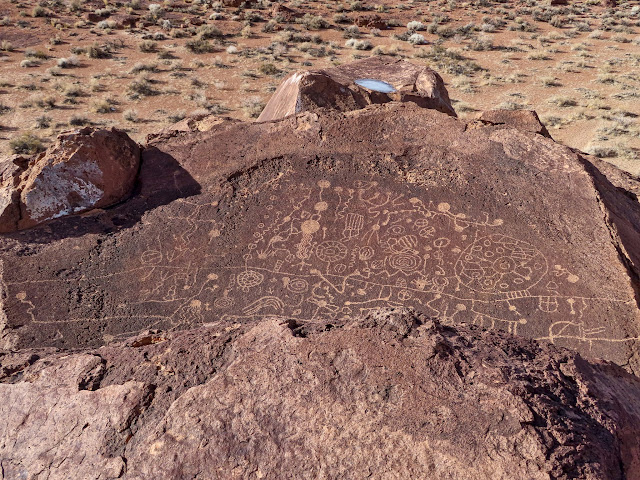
<point x="85" y="169"/>
<point x="333" y="214"/>
<point x="389" y="395"/>
<point x="355" y="85"/>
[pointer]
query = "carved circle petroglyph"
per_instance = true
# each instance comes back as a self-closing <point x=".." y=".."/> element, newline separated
<point x="249" y="279"/>
<point x="331" y="251"/>
<point x="223" y="302"/>
<point x="498" y="263"/>
<point x="404" y="262"/>
<point x="297" y="285"/>
<point x="151" y="257"/>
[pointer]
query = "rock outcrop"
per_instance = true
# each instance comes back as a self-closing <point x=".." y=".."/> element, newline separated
<point x="353" y="86"/>
<point x="84" y="170"/>
<point x="371" y="21"/>
<point x="342" y="292"/>
<point x="389" y="395"/>
<point x="391" y="205"/>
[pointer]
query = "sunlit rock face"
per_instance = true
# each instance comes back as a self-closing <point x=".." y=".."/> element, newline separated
<point x="392" y="394"/>
<point x="369" y="287"/>
<point x="84" y="170"/>
<point x="352" y="86"/>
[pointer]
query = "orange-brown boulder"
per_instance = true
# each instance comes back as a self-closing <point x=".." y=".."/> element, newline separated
<point x="352" y="86"/>
<point x="371" y="21"/>
<point x="85" y="169"/>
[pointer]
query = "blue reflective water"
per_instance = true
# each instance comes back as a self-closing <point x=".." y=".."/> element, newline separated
<point x="375" y="85"/>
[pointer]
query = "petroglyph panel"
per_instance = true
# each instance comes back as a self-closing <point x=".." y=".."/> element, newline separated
<point x="325" y="249"/>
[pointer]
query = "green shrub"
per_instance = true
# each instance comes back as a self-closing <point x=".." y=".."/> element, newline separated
<point x="199" y="45"/>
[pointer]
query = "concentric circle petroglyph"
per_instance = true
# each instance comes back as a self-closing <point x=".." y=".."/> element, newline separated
<point x="249" y="279"/>
<point x="404" y="262"/>
<point x="331" y="251"/>
<point x="297" y="285"/>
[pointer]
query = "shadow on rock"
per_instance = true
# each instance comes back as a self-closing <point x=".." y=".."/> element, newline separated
<point x="160" y="181"/>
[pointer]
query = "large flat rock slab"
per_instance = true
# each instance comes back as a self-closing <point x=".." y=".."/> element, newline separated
<point x="392" y="205"/>
<point x="388" y="395"/>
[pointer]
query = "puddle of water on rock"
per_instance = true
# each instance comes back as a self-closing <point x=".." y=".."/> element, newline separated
<point x="375" y="85"/>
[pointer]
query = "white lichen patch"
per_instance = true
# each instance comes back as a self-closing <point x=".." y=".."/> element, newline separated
<point x="5" y="198"/>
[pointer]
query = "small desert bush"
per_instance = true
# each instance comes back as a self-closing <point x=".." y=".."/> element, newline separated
<point x="269" y="69"/>
<point x="341" y="18"/>
<point x="602" y="151"/>
<point x="106" y="24"/>
<point x="102" y="106"/>
<point x="26" y="144"/>
<point x="155" y="9"/>
<point x="549" y="82"/>
<point x="37" y="54"/>
<point x="416" y="26"/>
<point x="270" y="27"/>
<point x="481" y="44"/>
<point x="6" y="46"/>
<point x="69" y="62"/>
<point x="511" y="105"/>
<point x="43" y="122"/>
<point x="358" y="44"/>
<point x="351" y="31"/>
<point x="539" y="56"/>
<point x="563" y="102"/>
<point x="78" y="121"/>
<point x="199" y="46"/>
<point x="144" y="67"/>
<point x="29" y="62"/>
<point x="209" y="31"/>
<point x="253" y="106"/>
<point x="38" y="11"/>
<point x="141" y="86"/>
<point x="316" y="22"/>
<point x="417" y="39"/>
<point x="175" y="117"/>
<point x="147" y="46"/>
<point x="97" y="51"/>
<point x="449" y="61"/>
<point x="130" y="116"/>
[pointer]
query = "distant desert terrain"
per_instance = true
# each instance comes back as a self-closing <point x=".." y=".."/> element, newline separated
<point x="140" y="65"/>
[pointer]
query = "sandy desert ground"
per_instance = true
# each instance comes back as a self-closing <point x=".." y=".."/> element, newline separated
<point x="140" y="65"/>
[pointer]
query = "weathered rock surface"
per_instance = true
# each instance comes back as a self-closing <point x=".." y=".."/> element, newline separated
<point x="335" y="88"/>
<point x="328" y="295"/>
<point x="370" y="21"/>
<point x="389" y="395"/>
<point x="526" y="120"/>
<point x="84" y="170"/>
<point x="393" y="205"/>
<point x="285" y="13"/>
